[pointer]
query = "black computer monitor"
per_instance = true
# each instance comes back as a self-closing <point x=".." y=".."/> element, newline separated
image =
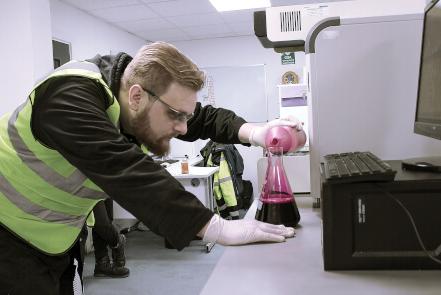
<point x="428" y="109"/>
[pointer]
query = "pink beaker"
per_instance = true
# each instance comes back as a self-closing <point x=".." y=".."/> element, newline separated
<point x="277" y="204"/>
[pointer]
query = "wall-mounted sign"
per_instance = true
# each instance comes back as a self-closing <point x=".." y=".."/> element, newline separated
<point x="288" y="58"/>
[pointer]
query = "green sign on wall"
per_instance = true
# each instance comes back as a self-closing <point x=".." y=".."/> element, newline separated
<point x="288" y="58"/>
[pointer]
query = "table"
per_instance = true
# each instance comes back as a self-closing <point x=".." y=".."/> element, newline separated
<point x="198" y="182"/>
<point x="296" y="267"/>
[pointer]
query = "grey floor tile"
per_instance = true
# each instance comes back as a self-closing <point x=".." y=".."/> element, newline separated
<point x="155" y="269"/>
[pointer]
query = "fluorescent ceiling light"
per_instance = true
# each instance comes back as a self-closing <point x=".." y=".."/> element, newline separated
<point x="227" y="5"/>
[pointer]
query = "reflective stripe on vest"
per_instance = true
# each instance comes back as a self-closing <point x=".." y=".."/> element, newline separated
<point x="68" y="184"/>
<point x="43" y="198"/>
<point x="223" y="189"/>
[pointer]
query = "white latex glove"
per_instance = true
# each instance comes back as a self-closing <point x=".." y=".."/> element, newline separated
<point x="258" y="133"/>
<point x="239" y="232"/>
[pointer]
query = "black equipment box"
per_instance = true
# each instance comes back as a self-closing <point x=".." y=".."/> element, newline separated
<point x="366" y="227"/>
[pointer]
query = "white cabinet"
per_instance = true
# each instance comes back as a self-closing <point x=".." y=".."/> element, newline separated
<point x="293" y="101"/>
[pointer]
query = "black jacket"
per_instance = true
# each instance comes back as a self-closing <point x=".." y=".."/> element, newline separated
<point x="69" y="116"/>
<point x="233" y="158"/>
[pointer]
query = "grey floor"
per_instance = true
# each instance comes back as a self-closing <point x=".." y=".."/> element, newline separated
<point x="155" y="269"/>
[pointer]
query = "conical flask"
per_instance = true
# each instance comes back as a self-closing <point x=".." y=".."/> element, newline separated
<point x="277" y="204"/>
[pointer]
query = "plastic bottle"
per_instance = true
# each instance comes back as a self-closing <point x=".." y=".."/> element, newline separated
<point x="289" y="138"/>
<point x="184" y="165"/>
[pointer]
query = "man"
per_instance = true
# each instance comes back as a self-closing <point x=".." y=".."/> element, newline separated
<point x="75" y="141"/>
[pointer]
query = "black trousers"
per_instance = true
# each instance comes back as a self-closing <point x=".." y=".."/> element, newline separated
<point x="25" y="270"/>
<point x="104" y="233"/>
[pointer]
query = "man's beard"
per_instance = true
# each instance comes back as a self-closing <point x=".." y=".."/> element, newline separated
<point x="143" y="132"/>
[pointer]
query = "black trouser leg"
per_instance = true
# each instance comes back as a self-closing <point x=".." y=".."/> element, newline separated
<point x="25" y="270"/>
<point x="67" y="278"/>
<point x="104" y="233"/>
<point x="109" y="208"/>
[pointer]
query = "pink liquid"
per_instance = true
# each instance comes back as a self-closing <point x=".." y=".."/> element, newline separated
<point x="278" y="213"/>
<point x="276" y="203"/>
<point x="276" y="198"/>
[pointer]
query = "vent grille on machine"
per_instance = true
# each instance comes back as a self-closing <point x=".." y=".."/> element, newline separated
<point x="290" y="21"/>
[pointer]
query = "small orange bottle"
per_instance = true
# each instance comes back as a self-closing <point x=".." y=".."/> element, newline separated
<point x="184" y="165"/>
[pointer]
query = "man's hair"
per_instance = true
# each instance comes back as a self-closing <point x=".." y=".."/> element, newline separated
<point x="156" y="65"/>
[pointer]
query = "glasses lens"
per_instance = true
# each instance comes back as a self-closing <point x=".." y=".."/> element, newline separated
<point x="173" y="115"/>
<point x="176" y="115"/>
<point x="181" y="117"/>
<point x="171" y="112"/>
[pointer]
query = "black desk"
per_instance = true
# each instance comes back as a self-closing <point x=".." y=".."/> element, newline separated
<point x="366" y="227"/>
<point x="296" y="267"/>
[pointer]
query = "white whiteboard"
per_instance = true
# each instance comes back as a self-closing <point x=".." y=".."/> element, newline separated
<point x="237" y="88"/>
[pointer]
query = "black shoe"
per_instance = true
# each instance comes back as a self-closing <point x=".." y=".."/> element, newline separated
<point x="119" y="259"/>
<point x="103" y="268"/>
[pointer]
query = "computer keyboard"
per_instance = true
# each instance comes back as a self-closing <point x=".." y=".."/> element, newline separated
<point x="356" y="167"/>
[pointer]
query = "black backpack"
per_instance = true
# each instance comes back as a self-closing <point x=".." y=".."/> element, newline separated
<point x="242" y="188"/>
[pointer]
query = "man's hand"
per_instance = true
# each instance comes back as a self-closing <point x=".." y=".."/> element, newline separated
<point x="239" y="232"/>
<point x="258" y="133"/>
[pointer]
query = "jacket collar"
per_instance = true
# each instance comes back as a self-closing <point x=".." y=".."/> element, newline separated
<point x="112" y="68"/>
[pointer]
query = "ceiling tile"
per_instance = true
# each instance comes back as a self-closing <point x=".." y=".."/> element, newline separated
<point x="164" y="35"/>
<point x="182" y="7"/>
<point x="125" y="13"/>
<point x="145" y="25"/>
<point x="155" y="1"/>
<point x="238" y="16"/>
<point x="99" y="4"/>
<point x="196" y="19"/>
<point x="243" y="28"/>
<point x="208" y="29"/>
<point x="211" y="36"/>
<point x="176" y="20"/>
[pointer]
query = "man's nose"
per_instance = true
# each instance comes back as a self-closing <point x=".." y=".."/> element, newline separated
<point x="181" y="127"/>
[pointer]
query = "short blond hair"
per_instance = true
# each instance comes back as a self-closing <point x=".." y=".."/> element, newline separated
<point x="156" y="65"/>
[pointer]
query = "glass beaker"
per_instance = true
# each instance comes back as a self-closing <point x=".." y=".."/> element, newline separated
<point x="276" y="203"/>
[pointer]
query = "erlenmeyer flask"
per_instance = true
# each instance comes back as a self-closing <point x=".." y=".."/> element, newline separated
<point x="277" y="204"/>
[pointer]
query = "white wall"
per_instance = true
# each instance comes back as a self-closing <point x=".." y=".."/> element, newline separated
<point x="240" y="51"/>
<point x="26" y="30"/>
<point x="26" y="48"/>
<point x="87" y="35"/>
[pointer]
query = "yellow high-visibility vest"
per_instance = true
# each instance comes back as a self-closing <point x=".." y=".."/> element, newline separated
<point x="43" y="198"/>
<point x="223" y="189"/>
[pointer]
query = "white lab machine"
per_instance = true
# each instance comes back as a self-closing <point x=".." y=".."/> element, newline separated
<point x="362" y="60"/>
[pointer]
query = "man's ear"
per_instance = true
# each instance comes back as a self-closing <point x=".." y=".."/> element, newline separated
<point x="135" y="97"/>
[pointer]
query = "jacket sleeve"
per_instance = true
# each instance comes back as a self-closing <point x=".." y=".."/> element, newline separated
<point x="218" y="124"/>
<point x="69" y="116"/>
